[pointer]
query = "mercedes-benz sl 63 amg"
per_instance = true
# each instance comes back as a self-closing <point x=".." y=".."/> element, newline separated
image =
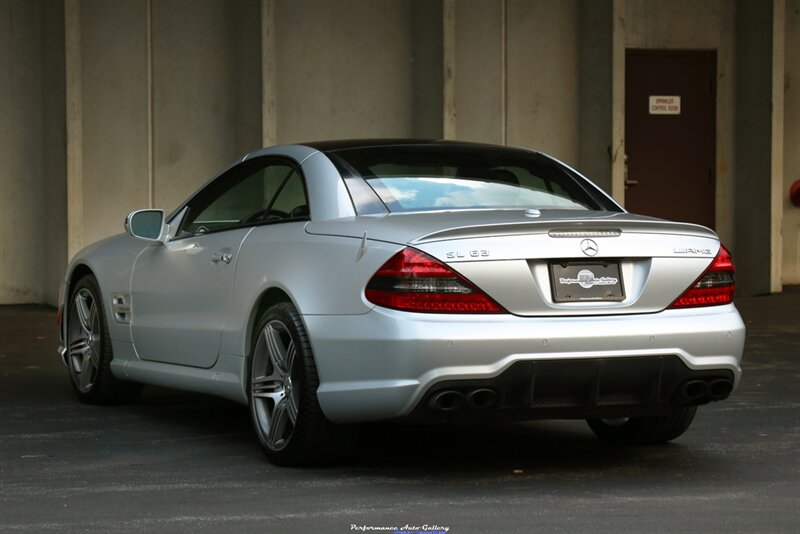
<point x="340" y="282"/>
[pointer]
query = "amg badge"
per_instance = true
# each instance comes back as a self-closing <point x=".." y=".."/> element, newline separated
<point x="706" y="251"/>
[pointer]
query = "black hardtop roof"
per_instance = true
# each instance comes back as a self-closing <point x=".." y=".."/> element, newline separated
<point x="347" y="144"/>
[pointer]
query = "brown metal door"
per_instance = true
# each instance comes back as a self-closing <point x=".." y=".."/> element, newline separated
<point x="670" y="134"/>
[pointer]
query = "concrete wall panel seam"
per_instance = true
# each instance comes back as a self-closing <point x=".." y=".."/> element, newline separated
<point x="450" y="126"/>
<point x="72" y="49"/>
<point x="151" y="168"/>
<point x="269" y="125"/>
<point x="618" y="102"/>
<point x="504" y="69"/>
<point x="776" y="181"/>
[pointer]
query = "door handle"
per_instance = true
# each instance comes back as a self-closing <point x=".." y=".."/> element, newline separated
<point x="221" y="256"/>
<point x="628" y="181"/>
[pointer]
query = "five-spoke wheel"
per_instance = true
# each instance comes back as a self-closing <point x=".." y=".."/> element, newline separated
<point x="89" y="350"/>
<point x="84" y="341"/>
<point x="286" y="414"/>
<point x="275" y="384"/>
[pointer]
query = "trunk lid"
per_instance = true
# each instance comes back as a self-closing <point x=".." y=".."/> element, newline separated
<point x="520" y="260"/>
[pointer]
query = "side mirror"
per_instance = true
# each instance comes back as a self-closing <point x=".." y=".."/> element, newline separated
<point x="145" y="224"/>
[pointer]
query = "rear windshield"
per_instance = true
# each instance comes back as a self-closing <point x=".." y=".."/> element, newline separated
<point x="411" y="178"/>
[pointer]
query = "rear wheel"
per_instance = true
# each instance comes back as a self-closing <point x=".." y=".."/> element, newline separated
<point x="89" y="351"/>
<point x="644" y="430"/>
<point x="286" y="414"/>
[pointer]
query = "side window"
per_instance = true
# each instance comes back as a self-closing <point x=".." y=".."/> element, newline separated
<point x="241" y="198"/>
<point x="291" y="200"/>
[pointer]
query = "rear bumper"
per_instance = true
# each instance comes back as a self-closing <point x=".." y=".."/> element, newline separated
<point x="387" y="364"/>
<point x="577" y="388"/>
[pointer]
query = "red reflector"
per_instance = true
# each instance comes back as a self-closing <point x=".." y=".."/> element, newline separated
<point x="414" y="281"/>
<point x="59" y="315"/>
<point x="714" y="287"/>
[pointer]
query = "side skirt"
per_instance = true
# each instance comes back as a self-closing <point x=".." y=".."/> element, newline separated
<point x="224" y="379"/>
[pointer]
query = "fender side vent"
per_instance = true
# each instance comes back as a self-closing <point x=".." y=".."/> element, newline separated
<point x="121" y="307"/>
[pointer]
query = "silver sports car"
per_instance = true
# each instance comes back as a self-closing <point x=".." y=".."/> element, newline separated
<point x="351" y="281"/>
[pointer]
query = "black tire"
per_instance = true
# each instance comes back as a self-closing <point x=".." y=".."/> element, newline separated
<point x="644" y="430"/>
<point x="92" y="380"/>
<point x="311" y="438"/>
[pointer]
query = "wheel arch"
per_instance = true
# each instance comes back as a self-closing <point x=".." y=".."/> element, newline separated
<point x="268" y="298"/>
<point x="79" y="271"/>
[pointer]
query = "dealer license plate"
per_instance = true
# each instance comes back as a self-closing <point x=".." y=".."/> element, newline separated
<point x="586" y="281"/>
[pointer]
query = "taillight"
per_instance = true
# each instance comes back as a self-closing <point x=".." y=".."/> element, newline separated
<point x="414" y="281"/>
<point x="59" y="315"/>
<point x="714" y="287"/>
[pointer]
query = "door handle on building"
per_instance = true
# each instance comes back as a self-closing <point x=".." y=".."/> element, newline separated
<point x="627" y="181"/>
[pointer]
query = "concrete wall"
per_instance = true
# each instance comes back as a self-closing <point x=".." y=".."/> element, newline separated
<point x="167" y="100"/>
<point x="516" y="74"/>
<point x="351" y="69"/>
<point x="427" y="55"/>
<point x="53" y="148"/>
<point x="206" y="92"/>
<point x="32" y="158"/>
<point x="543" y="76"/>
<point x="594" y="90"/>
<point x="479" y="84"/>
<point x="791" y="154"/>
<point x="753" y="147"/>
<point x="536" y="74"/>
<point x="114" y="115"/>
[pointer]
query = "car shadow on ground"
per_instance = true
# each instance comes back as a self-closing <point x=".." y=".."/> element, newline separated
<point x="446" y="452"/>
<point x="530" y="448"/>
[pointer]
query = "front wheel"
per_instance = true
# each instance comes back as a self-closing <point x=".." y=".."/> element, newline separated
<point x="89" y="351"/>
<point x="286" y="414"/>
<point x="644" y="430"/>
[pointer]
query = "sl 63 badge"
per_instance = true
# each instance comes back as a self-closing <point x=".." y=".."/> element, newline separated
<point x="467" y="254"/>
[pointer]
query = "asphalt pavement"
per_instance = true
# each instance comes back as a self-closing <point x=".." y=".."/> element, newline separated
<point x="177" y="461"/>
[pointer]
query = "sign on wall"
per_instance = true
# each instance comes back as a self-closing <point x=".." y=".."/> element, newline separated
<point x="665" y="105"/>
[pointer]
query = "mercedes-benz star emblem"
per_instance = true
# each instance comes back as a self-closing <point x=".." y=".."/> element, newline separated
<point x="589" y="247"/>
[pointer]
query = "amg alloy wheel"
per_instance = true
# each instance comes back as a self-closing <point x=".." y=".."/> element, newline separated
<point x="275" y="385"/>
<point x="286" y="415"/>
<point x="84" y="340"/>
<point x="89" y="351"/>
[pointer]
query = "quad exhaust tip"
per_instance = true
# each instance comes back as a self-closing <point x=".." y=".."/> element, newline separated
<point x="695" y="391"/>
<point x="447" y="401"/>
<point x="720" y="388"/>
<point x="702" y="390"/>
<point x="451" y="400"/>
<point x="481" y="398"/>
